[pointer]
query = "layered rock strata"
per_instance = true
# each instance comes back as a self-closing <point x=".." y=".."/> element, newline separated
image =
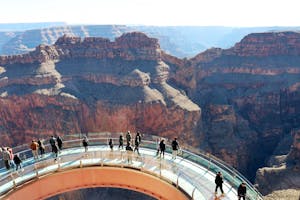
<point x="92" y="85"/>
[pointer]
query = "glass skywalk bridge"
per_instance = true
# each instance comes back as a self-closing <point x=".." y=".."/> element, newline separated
<point x="192" y="172"/>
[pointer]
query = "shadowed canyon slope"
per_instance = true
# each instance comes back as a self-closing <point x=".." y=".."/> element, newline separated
<point x="240" y="104"/>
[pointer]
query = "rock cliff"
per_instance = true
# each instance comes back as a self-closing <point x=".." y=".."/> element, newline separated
<point x="72" y="86"/>
<point x="249" y="94"/>
<point x="285" y="169"/>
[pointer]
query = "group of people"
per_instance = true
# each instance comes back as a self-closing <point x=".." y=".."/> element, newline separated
<point x="137" y="142"/>
<point x="38" y="147"/>
<point x="219" y="184"/>
<point x="10" y="160"/>
<point x="162" y="148"/>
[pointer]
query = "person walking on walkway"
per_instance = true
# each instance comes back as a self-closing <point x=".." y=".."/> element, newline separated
<point x="162" y="148"/>
<point x="158" y="146"/>
<point x="11" y="157"/>
<point x="128" y="138"/>
<point x="219" y="182"/>
<point x="137" y="142"/>
<point x="59" y="143"/>
<point x="129" y="152"/>
<point x="6" y="157"/>
<point x="55" y="152"/>
<point x="175" y="147"/>
<point x="85" y="143"/>
<point x="242" y="191"/>
<point x="17" y="161"/>
<point x="52" y="143"/>
<point x="121" y="141"/>
<point x="110" y="144"/>
<point x="41" y="147"/>
<point x="34" y="146"/>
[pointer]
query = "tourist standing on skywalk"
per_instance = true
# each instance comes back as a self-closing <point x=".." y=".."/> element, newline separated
<point x="85" y="143"/>
<point x="242" y="191"/>
<point x="17" y="161"/>
<point x="52" y="143"/>
<point x="157" y="146"/>
<point x="110" y="144"/>
<point x="162" y="148"/>
<point x="11" y="157"/>
<point x="175" y="148"/>
<point x="129" y="152"/>
<point x="34" y="146"/>
<point x="219" y="182"/>
<point x="59" y="143"/>
<point x="128" y="138"/>
<point x="121" y="141"/>
<point x="41" y="147"/>
<point x="137" y="142"/>
<point x="5" y="157"/>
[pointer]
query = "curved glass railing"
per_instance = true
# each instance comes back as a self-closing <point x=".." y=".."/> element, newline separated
<point x="147" y="163"/>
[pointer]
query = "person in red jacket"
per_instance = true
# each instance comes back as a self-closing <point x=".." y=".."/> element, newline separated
<point x="34" y="146"/>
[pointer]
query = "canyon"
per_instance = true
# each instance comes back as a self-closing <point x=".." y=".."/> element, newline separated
<point x="242" y="104"/>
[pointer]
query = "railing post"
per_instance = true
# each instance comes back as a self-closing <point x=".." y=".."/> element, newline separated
<point x="177" y="181"/>
<point x="122" y="165"/>
<point x="193" y="193"/>
<point x="80" y="163"/>
<point x="159" y="167"/>
<point x="101" y="159"/>
<point x="14" y="181"/>
<point x="58" y="164"/>
<point x="209" y="162"/>
<point x="36" y="170"/>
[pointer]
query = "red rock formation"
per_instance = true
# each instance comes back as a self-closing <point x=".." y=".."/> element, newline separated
<point x="59" y="97"/>
<point x="267" y="44"/>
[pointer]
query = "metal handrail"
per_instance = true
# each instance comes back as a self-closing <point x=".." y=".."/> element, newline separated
<point x="192" y="155"/>
<point x="36" y="167"/>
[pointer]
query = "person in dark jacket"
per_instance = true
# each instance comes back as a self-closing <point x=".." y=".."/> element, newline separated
<point x="111" y="144"/>
<point x="219" y="182"/>
<point x="59" y="143"/>
<point x="175" y="147"/>
<point x="162" y="148"/>
<point x="128" y="138"/>
<point x="85" y="143"/>
<point x="242" y="191"/>
<point x="129" y="152"/>
<point x="55" y="152"/>
<point x="52" y="143"/>
<point x="41" y="147"/>
<point x="17" y="161"/>
<point x="121" y="141"/>
<point x="137" y="142"/>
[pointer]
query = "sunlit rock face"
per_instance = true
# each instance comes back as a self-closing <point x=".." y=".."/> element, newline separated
<point x="283" y="170"/>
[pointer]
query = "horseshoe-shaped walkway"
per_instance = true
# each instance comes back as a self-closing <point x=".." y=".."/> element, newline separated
<point x="189" y="176"/>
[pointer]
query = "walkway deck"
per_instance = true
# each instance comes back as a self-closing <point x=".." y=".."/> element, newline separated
<point x="191" y="173"/>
